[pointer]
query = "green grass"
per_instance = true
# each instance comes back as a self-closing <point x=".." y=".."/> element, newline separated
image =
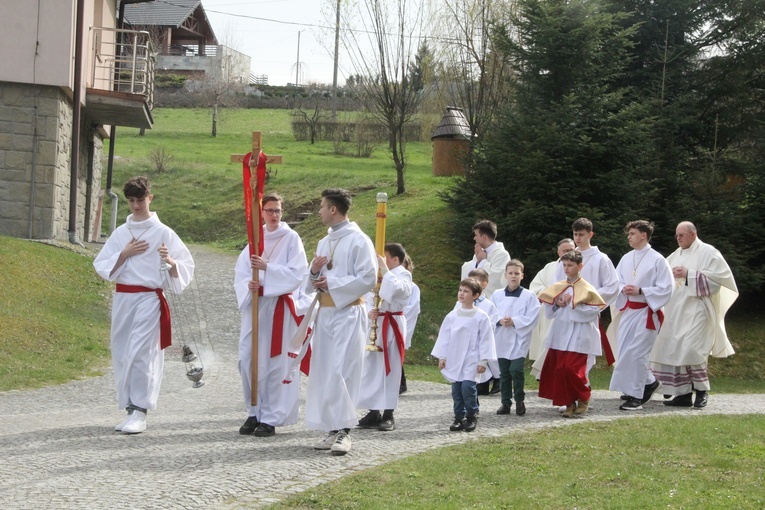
<point x="667" y="462"/>
<point x="54" y="316"/>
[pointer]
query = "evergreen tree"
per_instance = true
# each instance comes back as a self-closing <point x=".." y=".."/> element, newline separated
<point x="570" y="143"/>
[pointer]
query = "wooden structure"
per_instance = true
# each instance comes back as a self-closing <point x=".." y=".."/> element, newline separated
<point x="451" y="143"/>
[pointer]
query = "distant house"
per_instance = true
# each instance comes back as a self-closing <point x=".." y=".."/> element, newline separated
<point x="67" y="76"/>
<point x="186" y="43"/>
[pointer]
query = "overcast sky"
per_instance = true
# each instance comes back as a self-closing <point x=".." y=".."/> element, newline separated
<point x="267" y="31"/>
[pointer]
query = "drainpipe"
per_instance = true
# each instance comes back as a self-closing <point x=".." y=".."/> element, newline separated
<point x="109" y="169"/>
<point x="76" y="114"/>
<point x="113" y="136"/>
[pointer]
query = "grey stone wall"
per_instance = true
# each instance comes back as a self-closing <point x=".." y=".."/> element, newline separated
<point x="35" y="145"/>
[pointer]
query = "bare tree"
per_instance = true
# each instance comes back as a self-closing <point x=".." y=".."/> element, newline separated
<point x="381" y="50"/>
<point x="227" y="74"/>
<point x="475" y="72"/>
<point x="310" y="116"/>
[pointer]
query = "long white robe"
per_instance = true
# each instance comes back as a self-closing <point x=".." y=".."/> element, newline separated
<point x="494" y="264"/>
<point x="541" y="281"/>
<point x="694" y="326"/>
<point x="464" y="340"/>
<point x="649" y="271"/>
<point x="137" y="358"/>
<point x="286" y="268"/>
<point x="513" y="342"/>
<point x="380" y="391"/>
<point x="339" y="333"/>
<point x="411" y="313"/>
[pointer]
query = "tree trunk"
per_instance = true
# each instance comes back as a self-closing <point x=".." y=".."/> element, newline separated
<point x="215" y="118"/>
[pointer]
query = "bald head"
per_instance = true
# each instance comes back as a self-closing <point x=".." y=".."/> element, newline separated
<point x="685" y="233"/>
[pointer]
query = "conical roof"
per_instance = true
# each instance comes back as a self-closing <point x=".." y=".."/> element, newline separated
<point x="453" y="124"/>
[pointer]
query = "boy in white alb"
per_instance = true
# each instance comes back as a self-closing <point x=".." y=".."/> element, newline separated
<point x="645" y="286"/>
<point x="141" y="326"/>
<point x="464" y="347"/>
<point x="488" y="382"/>
<point x="518" y="310"/>
<point x="573" y="305"/>
<point x="381" y="371"/>
<point x="282" y="268"/>
<point x="343" y="270"/>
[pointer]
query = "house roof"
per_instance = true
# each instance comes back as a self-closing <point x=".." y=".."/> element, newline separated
<point x="165" y="13"/>
<point x="453" y="124"/>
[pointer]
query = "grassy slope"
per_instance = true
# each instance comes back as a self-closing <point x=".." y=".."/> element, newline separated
<point x="54" y="320"/>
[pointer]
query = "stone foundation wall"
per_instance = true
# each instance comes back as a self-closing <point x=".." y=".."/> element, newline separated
<point x="35" y="145"/>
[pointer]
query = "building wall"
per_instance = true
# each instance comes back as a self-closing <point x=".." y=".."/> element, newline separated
<point x="226" y="65"/>
<point x="35" y="144"/>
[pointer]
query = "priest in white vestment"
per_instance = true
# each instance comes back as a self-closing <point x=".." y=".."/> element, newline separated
<point x="694" y="323"/>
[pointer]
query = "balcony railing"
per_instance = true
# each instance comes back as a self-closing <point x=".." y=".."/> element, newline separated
<point x="123" y="61"/>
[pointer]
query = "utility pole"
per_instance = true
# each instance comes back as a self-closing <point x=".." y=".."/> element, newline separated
<point x="297" y="64"/>
<point x="337" y="56"/>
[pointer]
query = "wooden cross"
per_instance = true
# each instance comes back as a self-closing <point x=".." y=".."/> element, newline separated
<point x="256" y="148"/>
<point x="238" y="158"/>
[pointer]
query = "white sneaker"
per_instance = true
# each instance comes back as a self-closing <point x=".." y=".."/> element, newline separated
<point x="327" y="442"/>
<point x="342" y="444"/>
<point x="121" y="424"/>
<point x="136" y="423"/>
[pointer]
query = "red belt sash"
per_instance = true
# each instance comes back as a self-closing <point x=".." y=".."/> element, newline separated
<point x="277" y="330"/>
<point x="165" y="327"/>
<point x="649" y="324"/>
<point x="389" y="321"/>
<point x="605" y="344"/>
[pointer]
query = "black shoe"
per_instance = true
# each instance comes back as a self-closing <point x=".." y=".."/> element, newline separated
<point x="264" y="430"/>
<point x="634" y="404"/>
<point x="249" y="426"/>
<point x="470" y="423"/>
<point x="483" y="388"/>
<point x="402" y="389"/>
<point x="520" y="408"/>
<point x="459" y="424"/>
<point x="387" y="424"/>
<point x="702" y="398"/>
<point x="625" y="397"/>
<point x="649" y="390"/>
<point x="680" y="401"/>
<point x="495" y="387"/>
<point x="504" y="409"/>
<point x="371" y="421"/>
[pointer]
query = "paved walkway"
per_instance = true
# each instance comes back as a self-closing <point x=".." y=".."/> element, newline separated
<point x="58" y="448"/>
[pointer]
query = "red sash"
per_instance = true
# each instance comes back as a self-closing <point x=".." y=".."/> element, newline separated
<point x="277" y="330"/>
<point x="165" y="327"/>
<point x="605" y="344"/>
<point x="649" y="324"/>
<point x="388" y="320"/>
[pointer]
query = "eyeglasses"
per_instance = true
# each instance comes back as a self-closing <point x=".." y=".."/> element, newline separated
<point x="273" y="211"/>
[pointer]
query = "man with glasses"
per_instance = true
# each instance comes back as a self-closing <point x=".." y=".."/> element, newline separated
<point x="282" y="267"/>
<point x="694" y="325"/>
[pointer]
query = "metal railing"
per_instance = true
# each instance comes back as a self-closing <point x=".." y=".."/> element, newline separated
<point x="123" y="61"/>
